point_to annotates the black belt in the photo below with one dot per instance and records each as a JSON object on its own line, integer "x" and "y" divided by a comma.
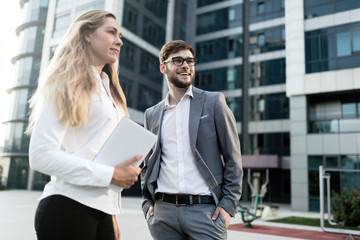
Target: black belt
{"x": 182, "y": 199}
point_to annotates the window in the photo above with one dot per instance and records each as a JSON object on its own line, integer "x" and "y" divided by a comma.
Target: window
{"x": 343, "y": 44}
{"x": 261, "y": 39}
{"x": 333, "y": 48}
{"x": 261, "y": 8}
{"x": 232, "y": 15}
{"x": 61, "y": 24}
{"x": 356, "y": 41}
{"x": 349, "y": 110}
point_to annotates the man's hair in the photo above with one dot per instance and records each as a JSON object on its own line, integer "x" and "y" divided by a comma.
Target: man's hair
{"x": 173, "y": 46}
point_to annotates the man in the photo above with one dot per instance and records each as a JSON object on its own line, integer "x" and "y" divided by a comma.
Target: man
{"x": 192, "y": 178}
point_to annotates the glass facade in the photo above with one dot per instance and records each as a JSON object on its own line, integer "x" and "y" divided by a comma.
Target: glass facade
{"x": 268, "y": 73}
{"x": 27, "y": 71}
{"x": 338, "y": 180}
{"x": 139, "y": 76}
{"x": 225, "y": 18}
{"x": 333, "y": 48}
{"x": 269, "y": 107}
{"x": 266, "y": 40}
{"x": 219, "y": 79}
{"x": 317, "y": 8}
{"x": 234, "y": 104}
{"x": 334, "y": 113}
{"x": 16, "y": 141}
{"x": 219, "y": 49}
{"x": 27, "y": 65}
{"x": 263, "y": 10}
{"x": 270, "y": 144}
{"x": 202, "y": 3}
{"x": 146, "y": 20}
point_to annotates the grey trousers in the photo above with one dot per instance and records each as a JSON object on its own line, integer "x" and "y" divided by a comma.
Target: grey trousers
{"x": 191, "y": 222}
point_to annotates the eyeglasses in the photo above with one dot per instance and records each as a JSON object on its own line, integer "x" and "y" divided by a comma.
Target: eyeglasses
{"x": 178, "y": 61}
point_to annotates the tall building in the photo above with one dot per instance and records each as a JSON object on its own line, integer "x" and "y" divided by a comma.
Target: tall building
{"x": 240, "y": 46}
{"x": 289, "y": 70}
{"x": 323, "y": 85}
{"x": 27, "y": 66}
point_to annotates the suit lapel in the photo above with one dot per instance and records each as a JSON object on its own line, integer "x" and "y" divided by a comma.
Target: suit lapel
{"x": 196, "y": 106}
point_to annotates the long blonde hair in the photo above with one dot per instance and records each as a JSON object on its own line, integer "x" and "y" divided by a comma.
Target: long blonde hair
{"x": 69, "y": 81}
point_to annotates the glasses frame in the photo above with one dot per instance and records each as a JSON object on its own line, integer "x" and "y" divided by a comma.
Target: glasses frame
{"x": 183, "y": 60}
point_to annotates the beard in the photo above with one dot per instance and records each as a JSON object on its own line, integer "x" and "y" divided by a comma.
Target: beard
{"x": 174, "y": 80}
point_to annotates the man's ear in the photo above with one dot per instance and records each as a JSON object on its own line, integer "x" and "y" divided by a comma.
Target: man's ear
{"x": 162, "y": 68}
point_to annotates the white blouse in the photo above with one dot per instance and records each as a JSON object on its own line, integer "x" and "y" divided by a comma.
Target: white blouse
{"x": 67, "y": 153}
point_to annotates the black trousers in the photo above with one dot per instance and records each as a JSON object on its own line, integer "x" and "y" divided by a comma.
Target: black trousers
{"x": 58, "y": 217}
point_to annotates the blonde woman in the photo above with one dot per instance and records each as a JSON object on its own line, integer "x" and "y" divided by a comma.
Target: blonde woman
{"x": 77, "y": 105}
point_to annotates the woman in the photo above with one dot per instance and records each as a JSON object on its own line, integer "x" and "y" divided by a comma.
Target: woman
{"x": 77, "y": 105}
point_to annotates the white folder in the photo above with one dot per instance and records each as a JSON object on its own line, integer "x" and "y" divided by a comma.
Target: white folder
{"x": 126, "y": 141}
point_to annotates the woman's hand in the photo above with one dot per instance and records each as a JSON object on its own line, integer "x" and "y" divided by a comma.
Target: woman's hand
{"x": 116, "y": 228}
{"x": 125, "y": 174}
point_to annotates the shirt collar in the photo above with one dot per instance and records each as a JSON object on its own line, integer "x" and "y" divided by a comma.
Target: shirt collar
{"x": 188, "y": 93}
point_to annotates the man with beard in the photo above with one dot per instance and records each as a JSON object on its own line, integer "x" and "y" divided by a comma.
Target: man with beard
{"x": 192, "y": 178}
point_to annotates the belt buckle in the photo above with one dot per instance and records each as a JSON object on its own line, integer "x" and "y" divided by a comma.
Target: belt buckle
{"x": 177, "y": 201}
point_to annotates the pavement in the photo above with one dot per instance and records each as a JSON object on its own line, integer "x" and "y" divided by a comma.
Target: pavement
{"x": 17, "y": 209}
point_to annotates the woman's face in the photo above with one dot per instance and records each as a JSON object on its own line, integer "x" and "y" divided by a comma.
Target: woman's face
{"x": 105, "y": 42}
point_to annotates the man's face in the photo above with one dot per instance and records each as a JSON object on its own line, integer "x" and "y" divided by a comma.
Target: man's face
{"x": 181, "y": 76}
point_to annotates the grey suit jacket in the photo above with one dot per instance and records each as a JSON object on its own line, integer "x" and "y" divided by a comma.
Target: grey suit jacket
{"x": 214, "y": 142}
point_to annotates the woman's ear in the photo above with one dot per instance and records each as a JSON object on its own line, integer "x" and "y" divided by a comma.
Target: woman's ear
{"x": 88, "y": 38}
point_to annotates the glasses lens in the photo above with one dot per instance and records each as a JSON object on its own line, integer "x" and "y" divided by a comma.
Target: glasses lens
{"x": 191, "y": 61}
{"x": 178, "y": 61}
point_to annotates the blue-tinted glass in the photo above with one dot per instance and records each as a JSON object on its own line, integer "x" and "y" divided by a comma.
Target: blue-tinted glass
{"x": 147, "y": 97}
{"x": 130, "y": 18}
{"x": 270, "y": 143}
{"x": 265, "y": 10}
{"x": 16, "y": 141}
{"x": 348, "y": 110}
{"x": 268, "y": 73}
{"x": 202, "y": 3}
{"x": 158, "y": 7}
{"x": 213, "y": 21}
{"x": 61, "y": 24}
{"x": 219, "y": 79}
{"x": 312, "y": 48}
{"x": 343, "y": 44}
{"x": 261, "y": 8}
{"x": 349, "y": 162}
{"x": 261, "y": 39}
{"x": 217, "y": 49}
{"x": 331, "y": 162}
{"x": 153, "y": 32}
{"x": 344, "y": 5}
{"x": 235, "y": 106}
{"x": 356, "y": 41}
{"x": 318, "y": 10}
{"x": 127, "y": 54}
{"x": 276, "y": 107}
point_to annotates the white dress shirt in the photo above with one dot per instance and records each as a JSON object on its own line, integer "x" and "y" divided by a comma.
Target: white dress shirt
{"x": 178, "y": 172}
{"x": 67, "y": 153}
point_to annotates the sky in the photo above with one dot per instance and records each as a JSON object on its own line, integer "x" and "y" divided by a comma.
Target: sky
{"x": 10, "y": 18}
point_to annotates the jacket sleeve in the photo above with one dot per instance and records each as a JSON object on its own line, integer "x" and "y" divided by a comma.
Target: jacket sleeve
{"x": 229, "y": 146}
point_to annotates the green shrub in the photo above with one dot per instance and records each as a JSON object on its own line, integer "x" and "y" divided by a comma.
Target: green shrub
{"x": 346, "y": 207}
